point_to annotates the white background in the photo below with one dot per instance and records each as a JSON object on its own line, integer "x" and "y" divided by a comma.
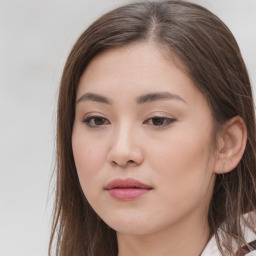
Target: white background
{"x": 35, "y": 39}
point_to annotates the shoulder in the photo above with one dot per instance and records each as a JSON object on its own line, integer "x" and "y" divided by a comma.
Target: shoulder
{"x": 211, "y": 248}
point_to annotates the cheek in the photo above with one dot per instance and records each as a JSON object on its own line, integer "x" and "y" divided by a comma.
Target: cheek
{"x": 89, "y": 159}
{"x": 184, "y": 167}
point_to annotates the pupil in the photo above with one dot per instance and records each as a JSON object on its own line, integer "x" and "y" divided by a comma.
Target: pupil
{"x": 99, "y": 120}
{"x": 157, "y": 121}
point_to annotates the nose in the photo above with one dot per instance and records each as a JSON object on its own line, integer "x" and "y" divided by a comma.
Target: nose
{"x": 124, "y": 149}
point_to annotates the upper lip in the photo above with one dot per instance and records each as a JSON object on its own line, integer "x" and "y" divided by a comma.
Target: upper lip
{"x": 126, "y": 183}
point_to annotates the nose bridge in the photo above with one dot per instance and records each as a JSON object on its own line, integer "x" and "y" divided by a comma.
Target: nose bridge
{"x": 124, "y": 145}
{"x": 123, "y": 135}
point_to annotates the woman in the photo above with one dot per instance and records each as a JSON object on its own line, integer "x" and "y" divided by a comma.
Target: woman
{"x": 156, "y": 137}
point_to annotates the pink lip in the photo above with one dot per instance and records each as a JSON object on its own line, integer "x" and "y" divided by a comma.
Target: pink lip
{"x": 127, "y": 189}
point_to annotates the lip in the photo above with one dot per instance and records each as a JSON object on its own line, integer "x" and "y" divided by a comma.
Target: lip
{"x": 127, "y": 189}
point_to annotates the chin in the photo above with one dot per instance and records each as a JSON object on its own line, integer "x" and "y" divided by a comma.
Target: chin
{"x": 133, "y": 229}
{"x": 132, "y": 225}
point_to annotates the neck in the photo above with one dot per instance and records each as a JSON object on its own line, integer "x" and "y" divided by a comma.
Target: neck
{"x": 187, "y": 239}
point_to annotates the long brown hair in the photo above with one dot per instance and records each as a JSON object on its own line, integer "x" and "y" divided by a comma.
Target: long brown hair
{"x": 212, "y": 59}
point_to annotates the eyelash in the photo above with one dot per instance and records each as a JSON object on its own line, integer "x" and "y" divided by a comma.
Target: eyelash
{"x": 89, "y": 119}
{"x": 164, "y": 121}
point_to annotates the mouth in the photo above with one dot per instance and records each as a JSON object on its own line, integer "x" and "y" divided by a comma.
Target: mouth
{"x": 127, "y": 189}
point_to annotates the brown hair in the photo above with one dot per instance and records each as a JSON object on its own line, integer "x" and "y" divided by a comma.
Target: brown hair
{"x": 213, "y": 60}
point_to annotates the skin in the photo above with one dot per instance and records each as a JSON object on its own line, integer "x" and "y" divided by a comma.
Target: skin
{"x": 174, "y": 154}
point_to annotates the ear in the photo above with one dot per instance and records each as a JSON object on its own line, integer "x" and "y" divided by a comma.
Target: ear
{"x": 231, "y": 145}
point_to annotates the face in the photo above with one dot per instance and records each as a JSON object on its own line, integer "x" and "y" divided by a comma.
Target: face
{"x": 142, "y": 141}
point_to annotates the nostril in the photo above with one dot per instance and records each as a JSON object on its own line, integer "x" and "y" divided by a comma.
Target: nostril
{"x": 130, "y": 162}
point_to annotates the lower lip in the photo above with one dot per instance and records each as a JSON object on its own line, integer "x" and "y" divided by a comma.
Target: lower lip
{"x": 127, "y": 193}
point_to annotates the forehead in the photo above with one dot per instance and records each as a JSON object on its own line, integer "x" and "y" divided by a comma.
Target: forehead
{"x": 135, "y": 69}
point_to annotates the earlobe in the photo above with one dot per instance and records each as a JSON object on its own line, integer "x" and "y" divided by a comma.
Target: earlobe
{"x": 231, "y": 145}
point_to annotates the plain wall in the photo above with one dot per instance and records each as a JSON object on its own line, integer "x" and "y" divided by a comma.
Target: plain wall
{"x": 35, "y": 39}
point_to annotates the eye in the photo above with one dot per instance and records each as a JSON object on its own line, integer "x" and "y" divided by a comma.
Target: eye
{"x": 96, "y": 121}
{"x": 159, "y": 121}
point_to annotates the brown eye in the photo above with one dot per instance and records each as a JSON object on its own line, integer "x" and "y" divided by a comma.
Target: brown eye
{"x": 99, "y": 120}
{"x": 159, "y": 121}
{"x": 94, "y": 121}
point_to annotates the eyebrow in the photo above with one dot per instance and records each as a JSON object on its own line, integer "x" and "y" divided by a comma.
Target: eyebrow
{"x": 94, "y": 97}
{"x": 150, "y": 97}
{"x": 158, "y": 96}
